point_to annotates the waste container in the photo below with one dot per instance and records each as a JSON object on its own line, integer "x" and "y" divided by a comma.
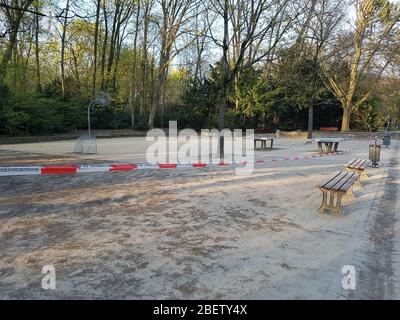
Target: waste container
{"x": 374, "y": 154}
{"x": 386, "y": 141}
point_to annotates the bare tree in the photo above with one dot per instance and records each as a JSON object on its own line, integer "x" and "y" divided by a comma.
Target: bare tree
{"x": 37, "y": 50}
{"x": 134, "y": 79}
{"x": 147, "y": 8}
{"x": 104, "y": 45}
{"x": 95, "y": 45}
{"x": 375, "y": 43}
{"x": 320, "y": 23}
{"x": 14, "y": 11}
{"x": 257, "y": 21}
{"x": 64, "y": 24}
{"x": 175, "y": 15}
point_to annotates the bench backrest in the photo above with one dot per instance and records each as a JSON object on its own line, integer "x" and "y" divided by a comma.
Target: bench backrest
{"x": 329, "y": 129}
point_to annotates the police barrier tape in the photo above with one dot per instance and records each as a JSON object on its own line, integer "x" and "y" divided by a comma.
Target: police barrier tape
{"x": 72, "y": 169}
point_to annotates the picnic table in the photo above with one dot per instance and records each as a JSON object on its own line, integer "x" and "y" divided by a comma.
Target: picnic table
{"x": 331, "y": 144}
{"x": 263, "y": 142}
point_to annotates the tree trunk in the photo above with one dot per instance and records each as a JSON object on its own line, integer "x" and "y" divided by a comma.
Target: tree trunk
{"x": 156, "y": 99}
{"x": 226, "y": 76}
{"x": 162, "y": 71}
{"x": 146, "y": 16}
{"x": 116, "y": 64}
{"x": 113, "y": 44}
{"x": 104, "y": 49}
{"x": 310, "y": 120}
{"x": 37, "y": 57}
{"x": 8, "y": 54}
{"x": 133, "y": 90}
{"x": 221, "y": 119}
{"x": 63, "y": 38}
{"x": 14, "y": 19}
{"x": 346, "y": 119}
{"x": 96, "y": 36}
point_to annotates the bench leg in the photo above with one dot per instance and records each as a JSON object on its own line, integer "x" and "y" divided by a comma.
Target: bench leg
{"x": 263, "y": 144}
{"x": 329, "y": 147}
{"x": 320, "y": 148}
{"x": 358, "y": 182}
{"x": 332, "y": 196}
{"x": 335, "y": 146}
{"x": 362, "y": 175}
{"x": 324, "y": 204}
{"x": 334, "y": 207}
{"x": 338, "y": 206}
{"x": 272, "y": 143}
{"x": 350, "y": 193}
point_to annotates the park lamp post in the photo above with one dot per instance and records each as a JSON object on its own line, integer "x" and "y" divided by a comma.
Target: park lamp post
{"x": 100, "y": 99}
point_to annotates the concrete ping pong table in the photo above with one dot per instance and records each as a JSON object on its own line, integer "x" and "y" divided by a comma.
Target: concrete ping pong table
{"x": 263, "y": 142}
{"x": 331, "y": 144}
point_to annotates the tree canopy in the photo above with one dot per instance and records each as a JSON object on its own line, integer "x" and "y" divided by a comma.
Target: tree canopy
{"x": 286, "y": 65}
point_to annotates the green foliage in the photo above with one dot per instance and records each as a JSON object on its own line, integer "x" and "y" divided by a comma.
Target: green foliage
{"x": 199, "y": 107}
{"x": 277, "y": 97}
{"x": 279, "y": 100}
{"x": 394, "y": 110}
{"x": 367, "y": 117}
{"x": 29, "y": 115}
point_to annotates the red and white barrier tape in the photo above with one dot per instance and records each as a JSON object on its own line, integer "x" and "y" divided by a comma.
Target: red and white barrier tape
{"x": 72, "y": 169}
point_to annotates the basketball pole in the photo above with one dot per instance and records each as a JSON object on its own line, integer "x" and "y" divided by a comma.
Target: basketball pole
{"x": 101, "y": 99}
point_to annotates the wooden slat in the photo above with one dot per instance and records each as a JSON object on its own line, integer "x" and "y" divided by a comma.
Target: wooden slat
{"x": 364, "y": 165}
{"x": 331, "y": 177}
{"x": 348, "y": 183}
{"x": 348, "y": 164}
{"x": 356, "y": 163}
{"x": 359, "y": 164}
{"x": 335, "y": 180}
{"x": 342, "y": 181}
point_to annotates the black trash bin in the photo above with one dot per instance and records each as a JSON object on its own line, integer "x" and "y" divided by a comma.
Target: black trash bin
{"x": 386, "y": 141}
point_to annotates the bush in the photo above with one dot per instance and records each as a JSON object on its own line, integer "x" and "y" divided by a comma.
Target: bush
{"x": 367, "y": 117}
{"x": 24, "y": 115}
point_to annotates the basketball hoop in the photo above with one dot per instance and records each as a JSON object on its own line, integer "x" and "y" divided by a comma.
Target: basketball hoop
{"x": 100, "y": 99}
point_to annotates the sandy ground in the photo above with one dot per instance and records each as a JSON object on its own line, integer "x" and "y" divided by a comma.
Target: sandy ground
{"x": 204, "y": 233}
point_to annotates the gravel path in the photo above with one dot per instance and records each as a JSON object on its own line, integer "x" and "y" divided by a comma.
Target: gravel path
{"x": 204, "y": 233}
{"x": 376, "y": 268}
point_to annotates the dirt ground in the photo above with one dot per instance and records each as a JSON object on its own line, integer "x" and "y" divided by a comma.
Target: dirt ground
{"x": 199, "y": 234}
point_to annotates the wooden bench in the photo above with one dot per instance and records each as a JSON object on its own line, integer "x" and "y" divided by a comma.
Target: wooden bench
{"x": 358, "y": 166}
{"x": 263, "y": 142}
{"x": 337, "y": 185}
{"x": 329, "y": 129}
